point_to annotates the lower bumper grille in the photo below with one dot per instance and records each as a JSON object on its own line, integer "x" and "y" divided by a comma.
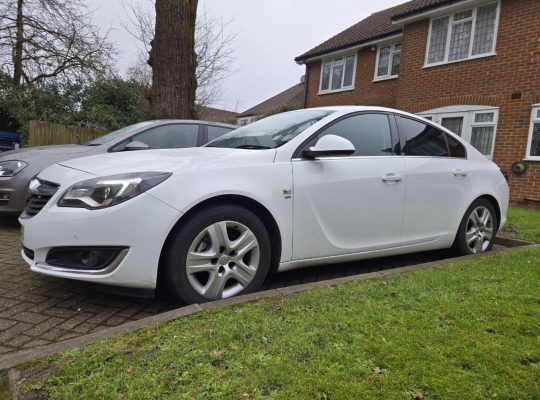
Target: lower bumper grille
{"x": 28, "y": 253}
{"x": 39, "y": 194}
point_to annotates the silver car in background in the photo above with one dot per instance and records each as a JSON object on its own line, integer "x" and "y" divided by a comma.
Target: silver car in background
{"x": 18, "y": 167}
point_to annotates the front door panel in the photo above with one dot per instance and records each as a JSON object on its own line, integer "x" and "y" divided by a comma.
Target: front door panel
{"x": 343, "y": 205}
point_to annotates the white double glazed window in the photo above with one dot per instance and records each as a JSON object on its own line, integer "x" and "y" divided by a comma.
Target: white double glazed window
{"x": 533, "y": 144}
{"x": 388, "y": 60}
{"x": 338, "y": 74}
{"x": 475, "y": 124}
{"x": 463, "y": 35}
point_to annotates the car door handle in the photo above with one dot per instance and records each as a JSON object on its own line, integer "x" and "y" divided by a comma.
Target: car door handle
{"x": 391, "y": 177}
{"x": 460, "y": 173}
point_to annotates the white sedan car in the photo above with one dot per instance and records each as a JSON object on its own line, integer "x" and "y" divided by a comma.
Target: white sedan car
{"x": 313, "y": 186}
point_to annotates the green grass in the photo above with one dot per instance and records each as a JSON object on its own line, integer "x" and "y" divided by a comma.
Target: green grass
{"x": 466, "y": 330}
{"x": 5, "y": 392}
{"x": 523, "y": 224}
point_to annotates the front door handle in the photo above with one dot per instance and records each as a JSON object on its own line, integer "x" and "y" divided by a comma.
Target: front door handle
{"x": 460, "y": 173}
{"x": 391, "y": 177}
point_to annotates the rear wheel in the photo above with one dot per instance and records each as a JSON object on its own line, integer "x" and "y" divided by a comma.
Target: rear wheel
{"x": 218, "y": 253}
{"x": 478, "y": 228}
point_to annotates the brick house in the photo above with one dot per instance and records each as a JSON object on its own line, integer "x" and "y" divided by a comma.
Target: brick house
{"x": 470, "y": 65}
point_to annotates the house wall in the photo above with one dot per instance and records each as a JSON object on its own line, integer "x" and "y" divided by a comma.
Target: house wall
{"x": 489, "y": 81}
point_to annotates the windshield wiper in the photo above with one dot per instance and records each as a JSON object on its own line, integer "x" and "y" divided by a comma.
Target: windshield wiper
{"x": 252, "y": 146}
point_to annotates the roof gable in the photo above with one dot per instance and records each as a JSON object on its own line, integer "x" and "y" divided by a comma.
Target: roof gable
{"x": 376, "y": 26}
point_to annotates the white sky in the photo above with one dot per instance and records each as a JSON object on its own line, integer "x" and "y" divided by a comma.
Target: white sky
{"x": 270, "y": 34}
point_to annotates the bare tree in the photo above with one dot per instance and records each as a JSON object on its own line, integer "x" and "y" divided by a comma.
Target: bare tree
{"x": 213, "y": 46}
{"x": 42, "y": 39}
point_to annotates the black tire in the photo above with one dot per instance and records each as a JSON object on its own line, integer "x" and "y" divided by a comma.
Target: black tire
{"x": 175, "y": 258}
{"x": 460, "y": 245}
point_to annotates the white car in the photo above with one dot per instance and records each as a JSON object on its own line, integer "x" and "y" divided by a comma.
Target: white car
{"x": 313, "y": 186}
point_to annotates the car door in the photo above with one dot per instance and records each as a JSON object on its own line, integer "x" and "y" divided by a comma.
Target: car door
{"x": 169, "y": 136}
{"x": 437, "y": 182}
{"x": 347, "y": 205}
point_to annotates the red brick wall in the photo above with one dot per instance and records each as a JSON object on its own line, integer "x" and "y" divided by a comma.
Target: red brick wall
{"x": 485, "y": 81}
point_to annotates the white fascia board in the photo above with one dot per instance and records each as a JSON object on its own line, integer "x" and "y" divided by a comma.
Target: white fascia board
{"x": 348, "y": 50}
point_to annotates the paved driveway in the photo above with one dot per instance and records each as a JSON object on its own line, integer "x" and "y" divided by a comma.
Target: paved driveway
{"x": 37, "y": 310}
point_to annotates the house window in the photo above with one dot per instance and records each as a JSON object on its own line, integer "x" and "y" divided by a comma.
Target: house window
{"x": 475, "y": 124}
{"x": 338, "y": 74}
{"x": 388, "y": 59}
{"x": 463, "y": 35}
{"x": 533, "y": 145}
{"x": 483, "y": 132}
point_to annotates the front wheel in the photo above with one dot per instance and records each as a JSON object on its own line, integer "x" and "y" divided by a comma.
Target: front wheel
{"x": 218, "y": 253}
{"x": 478, "y": 228}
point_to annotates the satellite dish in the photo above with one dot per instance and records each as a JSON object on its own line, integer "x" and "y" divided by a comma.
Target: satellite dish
{"x": 302, "y": 79}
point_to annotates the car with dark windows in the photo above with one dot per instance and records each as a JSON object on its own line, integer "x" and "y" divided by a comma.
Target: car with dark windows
{"x": 307, "y": 187}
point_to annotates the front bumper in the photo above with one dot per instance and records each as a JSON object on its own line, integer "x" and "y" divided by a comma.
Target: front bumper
{"x": 141, "y": 225}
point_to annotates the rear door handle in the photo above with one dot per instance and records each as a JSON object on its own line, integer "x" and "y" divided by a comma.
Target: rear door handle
{"x": 460, "y": 173}
{"x": 391, "y": 177}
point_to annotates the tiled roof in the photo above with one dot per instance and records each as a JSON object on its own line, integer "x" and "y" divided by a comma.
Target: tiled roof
{"x": 292, "y": 97}
{"x": 377, "y": 25}
{"x": 216, "y": 115}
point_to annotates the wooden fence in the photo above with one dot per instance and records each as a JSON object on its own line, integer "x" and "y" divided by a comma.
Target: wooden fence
{"x": 45, "y": 133}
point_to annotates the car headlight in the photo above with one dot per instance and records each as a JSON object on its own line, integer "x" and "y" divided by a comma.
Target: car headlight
{"x": 111, "y": 190}
{"x": 11, "y": 168}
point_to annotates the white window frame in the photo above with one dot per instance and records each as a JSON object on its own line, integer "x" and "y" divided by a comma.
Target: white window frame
{"x": 451, "y": 23}
{"x": 535, "y": 119}
{"x": 468, "y": 113}
{"x": 332, "y": 61}
{"x": 392, "y": 53}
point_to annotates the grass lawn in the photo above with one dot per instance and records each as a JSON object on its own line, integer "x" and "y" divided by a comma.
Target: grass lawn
{"x": 523, "y": 224}
{"x": 466, "y": 330}
{"x": 5, "y": 392}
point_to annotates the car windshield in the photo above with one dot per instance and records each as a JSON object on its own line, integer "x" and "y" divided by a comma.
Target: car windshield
{"x": 270, "y": 132}
{"x": 118, "y": 133}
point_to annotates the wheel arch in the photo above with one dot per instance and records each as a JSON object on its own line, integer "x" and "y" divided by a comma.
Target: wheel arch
{"x": 240, "y": 200}
{"x": 495, "y": 205}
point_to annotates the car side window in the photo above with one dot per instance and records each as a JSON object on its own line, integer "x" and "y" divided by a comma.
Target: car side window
{"x": 171, "y": 136}
{"x": 456, "y": 149}
{"x": 216, "y": 131}
{"x": 421, "y": 139}
{"x": 369, "y": 133}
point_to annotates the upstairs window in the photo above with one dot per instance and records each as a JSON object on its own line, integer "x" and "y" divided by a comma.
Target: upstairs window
{"x": 388, "y": 60}
{"x": 533, "y": 146}
{"x": 463, "y": 35}
{"x": 338, "y": 74}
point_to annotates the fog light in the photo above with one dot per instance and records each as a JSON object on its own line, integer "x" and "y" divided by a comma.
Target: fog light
{"x": 89, "y": 258}
{"x": 4, "y": 196}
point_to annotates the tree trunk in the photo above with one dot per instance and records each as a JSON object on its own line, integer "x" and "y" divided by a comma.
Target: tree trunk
{"x": 173, "y": 60}
{"x": 18, "y": 51}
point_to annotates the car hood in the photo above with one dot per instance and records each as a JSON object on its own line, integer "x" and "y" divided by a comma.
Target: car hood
{"x": 171, "y": 160}
{"x": 26, "y": 154}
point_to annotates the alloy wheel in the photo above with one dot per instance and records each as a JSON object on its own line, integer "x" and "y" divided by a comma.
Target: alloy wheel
{"x": 479, "y": 230}
{"x": 222, "y": 260}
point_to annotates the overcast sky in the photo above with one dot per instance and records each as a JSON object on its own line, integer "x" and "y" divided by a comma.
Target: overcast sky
{"x": 270, "y": 34}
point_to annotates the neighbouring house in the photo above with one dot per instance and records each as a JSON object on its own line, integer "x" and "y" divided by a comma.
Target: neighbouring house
{"x": 216, "y": 115}
{"x": 289, "y": 99}
{"x": 471, "y": 65}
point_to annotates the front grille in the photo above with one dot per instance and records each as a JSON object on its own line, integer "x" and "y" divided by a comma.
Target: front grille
{"x": 39, "y": 194}
{"x": 29, "y": 253}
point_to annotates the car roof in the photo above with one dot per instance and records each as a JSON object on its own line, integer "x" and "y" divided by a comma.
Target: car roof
{"x": 191, "y": 121}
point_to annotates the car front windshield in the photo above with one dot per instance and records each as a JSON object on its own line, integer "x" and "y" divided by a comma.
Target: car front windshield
{"x": 270, "y": 132}
{"x": 118, "y": 133}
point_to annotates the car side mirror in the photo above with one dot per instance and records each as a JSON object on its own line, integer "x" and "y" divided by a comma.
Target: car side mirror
{"x": 136, "y": 145}
{"x": 330, "y": 146}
